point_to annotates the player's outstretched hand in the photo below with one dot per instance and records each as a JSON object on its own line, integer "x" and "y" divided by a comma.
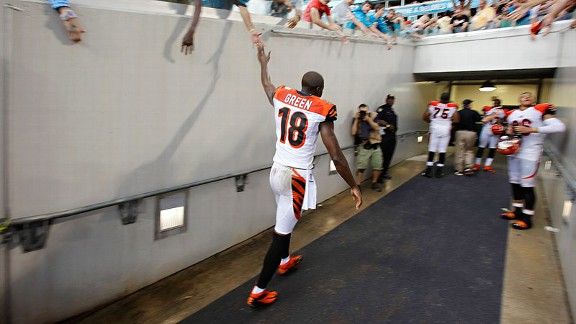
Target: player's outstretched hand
{"x": 255, "y": 37}
{"x": 357, "y": 195}
{"x": 188, "y": 43}
{"x": 262, "y": 56}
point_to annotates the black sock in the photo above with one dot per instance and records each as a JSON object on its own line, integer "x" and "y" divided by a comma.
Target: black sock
{"x": 280, "y": 244}
{"x": 441, "y": 158}
{"x": 431, "y": 156}
{"x": 529, "y": 198}
{"x": 491, "y": 153}
{"x": 517, "y": 195}
{"x": 479, "y": 152}
{"x": 517, "y": 192}
{"x": 286, "y": 246}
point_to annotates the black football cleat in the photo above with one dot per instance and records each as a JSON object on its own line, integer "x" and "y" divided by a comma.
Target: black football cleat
{"x": 428, "y": 173}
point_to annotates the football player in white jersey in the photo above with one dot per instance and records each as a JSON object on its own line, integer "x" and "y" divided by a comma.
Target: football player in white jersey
{"x": 532, "y": 122}
{"x": 487, "y": 138}
{"x": 300, "y": 117}
{"x": 440, "y": 114}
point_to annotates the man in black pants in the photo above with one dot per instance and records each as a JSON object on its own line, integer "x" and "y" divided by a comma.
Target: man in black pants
{"x": 388, "y": 121}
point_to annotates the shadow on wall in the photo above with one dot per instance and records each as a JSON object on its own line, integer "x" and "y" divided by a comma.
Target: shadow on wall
{"x": 162, "y": 163}
{"x": 184, "y": 22}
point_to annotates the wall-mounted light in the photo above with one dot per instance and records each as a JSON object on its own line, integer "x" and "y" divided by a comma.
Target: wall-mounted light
{"x": 487, "y": 86}
{"x": 567, "y": 210}
{"x": 332, "y": 168}
{"x": 171, "y": 210}
{"x": 420, "y": 139}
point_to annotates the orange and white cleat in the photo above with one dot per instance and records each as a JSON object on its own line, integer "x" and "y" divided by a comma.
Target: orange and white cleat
{"x": 264, "y": 298}
{"x": 508, "y": 214}
{"x": 489, "y": 168}
{"x": 522, "y": 224}
{"x": 290, "y": 265}
{"x": 476, "y": 167}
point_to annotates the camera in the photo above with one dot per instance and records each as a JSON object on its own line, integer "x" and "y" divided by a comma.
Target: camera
{"x": 362, "y": 114}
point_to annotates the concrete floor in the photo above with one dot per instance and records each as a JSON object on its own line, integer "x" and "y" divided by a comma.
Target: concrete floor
{"x": 533, "y": 287}
{"x": 534, "y": 290}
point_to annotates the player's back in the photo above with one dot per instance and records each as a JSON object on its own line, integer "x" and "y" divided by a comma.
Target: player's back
{"x": 298, "y": 117}
{"x": 441, "y": 113}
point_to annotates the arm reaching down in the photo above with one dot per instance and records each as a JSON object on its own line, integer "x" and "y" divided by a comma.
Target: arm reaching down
{"x": 188, "y": 40}
{"x": 247, "y": 19}
{"x": 331, "y": 143}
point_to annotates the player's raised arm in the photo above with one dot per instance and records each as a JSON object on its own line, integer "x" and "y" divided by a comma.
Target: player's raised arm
{"x": 331, "y": 143}
{"x": 263, "y": 58}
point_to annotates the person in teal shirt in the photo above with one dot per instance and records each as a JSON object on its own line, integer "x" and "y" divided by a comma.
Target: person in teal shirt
{"x": 360, "y": 19}
{"x": 69, "y": 19}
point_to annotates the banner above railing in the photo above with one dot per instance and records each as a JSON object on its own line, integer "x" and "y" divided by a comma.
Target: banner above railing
{"x": 418, "y": 9}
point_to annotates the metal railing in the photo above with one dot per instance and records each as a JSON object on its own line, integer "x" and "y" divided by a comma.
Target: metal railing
{"x": 324, "y": 34}
{"x": 32, "y": 230}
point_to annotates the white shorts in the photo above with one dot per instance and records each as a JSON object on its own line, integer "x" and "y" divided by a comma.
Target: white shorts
{"x": 439, "y": 139}
{"x": 522, "y": 171}
{"x": 487, "y": 138}
{"x": 295, "y": 191}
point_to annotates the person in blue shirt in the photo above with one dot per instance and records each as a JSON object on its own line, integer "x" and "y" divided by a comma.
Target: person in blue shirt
{"x": 360, "y": 19}
{"x": 69, "y": 19}
{"x": 378, "y": 24}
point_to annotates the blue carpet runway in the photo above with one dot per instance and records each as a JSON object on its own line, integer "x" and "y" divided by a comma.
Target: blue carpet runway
{"x": 432, "y": 251}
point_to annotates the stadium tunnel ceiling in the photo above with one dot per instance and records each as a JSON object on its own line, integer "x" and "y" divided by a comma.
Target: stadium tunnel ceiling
{"x": 494, "y": 75}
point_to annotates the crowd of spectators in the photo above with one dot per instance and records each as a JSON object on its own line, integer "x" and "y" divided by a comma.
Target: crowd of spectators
{"x": 374, "y": 20}
{"x": 498, "y": 14}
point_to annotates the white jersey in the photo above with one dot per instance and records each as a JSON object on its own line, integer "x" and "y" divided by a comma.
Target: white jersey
{"x": 498, "y": 112}
{"x": 298, "y": 117}
{"x": 441, "y": 116}
{"x": 487, "y": 138}
{"x": 531, "y": 146}
{"x": 441, "y": 113}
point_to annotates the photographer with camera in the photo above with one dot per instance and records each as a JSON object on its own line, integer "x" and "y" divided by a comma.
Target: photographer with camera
{"x": 367, "y": 131}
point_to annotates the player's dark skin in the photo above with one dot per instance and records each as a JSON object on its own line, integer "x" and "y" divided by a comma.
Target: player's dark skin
{"x": 329, "y": 139}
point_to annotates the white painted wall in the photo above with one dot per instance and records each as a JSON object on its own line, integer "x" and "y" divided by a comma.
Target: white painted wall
{"x": 489, "y": 50}
{"x": 124, "y": 113}
{"x": 562, "y": 94}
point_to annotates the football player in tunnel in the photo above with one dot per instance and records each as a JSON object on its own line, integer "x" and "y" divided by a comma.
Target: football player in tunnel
{"x": 492, "y": 116}
{"x": 532, "y": 122}
{"x": 302, "y": 117}
{"x": 440, "y": 114}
